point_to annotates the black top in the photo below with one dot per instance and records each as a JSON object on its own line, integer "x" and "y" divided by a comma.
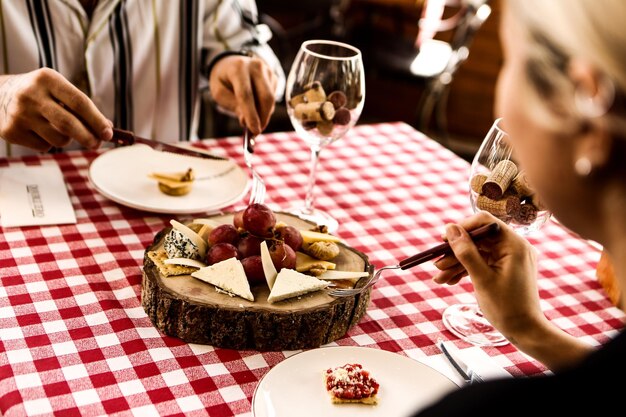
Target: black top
{"x": 596, "y": 387}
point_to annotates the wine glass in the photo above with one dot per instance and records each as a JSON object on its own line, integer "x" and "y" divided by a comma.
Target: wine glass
{"x": 325, "y": 94}
{"x": 498, "y": 186}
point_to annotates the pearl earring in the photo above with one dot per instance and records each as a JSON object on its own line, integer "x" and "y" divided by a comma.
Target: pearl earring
{"x": 583, "y": 166}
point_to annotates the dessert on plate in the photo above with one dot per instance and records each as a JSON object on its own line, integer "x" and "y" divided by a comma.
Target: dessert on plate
{"x": 351, "y": 383}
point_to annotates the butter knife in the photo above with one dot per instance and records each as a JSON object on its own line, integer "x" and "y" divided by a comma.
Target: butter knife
{"x": 469, "y": 375}
{"x": 123, "y": 137}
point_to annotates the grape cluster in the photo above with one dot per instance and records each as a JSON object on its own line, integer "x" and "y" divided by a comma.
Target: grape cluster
{"x": 242, "y": 239}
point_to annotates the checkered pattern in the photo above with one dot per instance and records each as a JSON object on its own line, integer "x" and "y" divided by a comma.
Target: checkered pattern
{"x": 74, "y": 339}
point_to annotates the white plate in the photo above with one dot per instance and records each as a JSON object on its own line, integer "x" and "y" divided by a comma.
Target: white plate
{"x": 295, "y": 387}
{"x": 121, "y": 174}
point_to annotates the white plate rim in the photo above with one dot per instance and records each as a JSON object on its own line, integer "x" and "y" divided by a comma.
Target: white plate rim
{"x": 363, "y": 352}
{"x": 112, "y": 153}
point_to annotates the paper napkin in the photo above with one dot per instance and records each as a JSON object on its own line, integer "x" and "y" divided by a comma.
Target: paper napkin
{"x": 474, "y": 356}
{"x": 34, "y": 195}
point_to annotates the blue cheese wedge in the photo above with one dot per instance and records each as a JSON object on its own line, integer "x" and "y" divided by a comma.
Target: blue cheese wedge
{"x": 177, "y": 245}
{"x": 290, "y": 283}
{"x": 227, "y": 275}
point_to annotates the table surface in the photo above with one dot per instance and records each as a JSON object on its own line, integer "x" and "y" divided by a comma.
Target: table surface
{"x": 75, "y": 340}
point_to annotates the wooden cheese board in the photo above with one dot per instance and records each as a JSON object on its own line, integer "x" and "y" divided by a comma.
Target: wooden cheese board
{"x": 192, "y": 310}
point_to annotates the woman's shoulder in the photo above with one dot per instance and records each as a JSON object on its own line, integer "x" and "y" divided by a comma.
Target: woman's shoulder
{"x": 583, "y": 387}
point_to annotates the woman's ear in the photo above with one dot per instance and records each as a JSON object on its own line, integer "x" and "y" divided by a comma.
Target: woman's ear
{"x": 593, "y": 97}
{"x": 594, "y": 92}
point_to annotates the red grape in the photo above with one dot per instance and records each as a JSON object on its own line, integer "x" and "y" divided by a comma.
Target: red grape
{"x": 291, "y": 236}
{"x": 282, "y": 255}
{"x": 249, "y": 245}
{"x": 220, "y": 252}
{"x": 259, "y": 220}
{"x": 254, "y": 269}
{"x": 224, "y": 233}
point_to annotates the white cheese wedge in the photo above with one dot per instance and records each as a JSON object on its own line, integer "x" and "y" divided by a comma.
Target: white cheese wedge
{"x": 208, "y": 222}
{"x": 290, "y": 283}
{"x": 228, "y": 275}
{"x": 185, "y": 262}
{"x": 269, "y": 270}
{"x": 342, "y": 274}
{"x": 191, "y": 235}
{"x": 309, "y": 236}
{"x": 305, "y": 262}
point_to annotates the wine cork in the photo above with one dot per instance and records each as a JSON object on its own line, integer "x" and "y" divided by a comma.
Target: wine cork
{"x": 526, "y": 214}
{"x": 499, "y": 180}
{"x": 521, "y": 186}
{"x": 314, "y": 92}
{"x": 299, "y": 99}
{"x": 477, "y": 181}
{"x": 315, "y": 111}
{"x": 325, "y": 127}
{"x": 504, "y": 208}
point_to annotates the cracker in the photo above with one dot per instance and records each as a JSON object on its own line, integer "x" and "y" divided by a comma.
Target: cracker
{"x": 168, "y": 270}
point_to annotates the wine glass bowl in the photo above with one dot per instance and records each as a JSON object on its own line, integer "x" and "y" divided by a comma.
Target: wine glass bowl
{"x": 325, "y": 94}
{"x": 499, "y": 186}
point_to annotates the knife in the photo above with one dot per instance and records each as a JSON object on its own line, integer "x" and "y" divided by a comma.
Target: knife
{"x": 123, "y": 137}
{"x": 451, "y": 353}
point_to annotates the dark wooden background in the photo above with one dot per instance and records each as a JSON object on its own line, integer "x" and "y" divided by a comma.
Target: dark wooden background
{"x": 386, "y": 30}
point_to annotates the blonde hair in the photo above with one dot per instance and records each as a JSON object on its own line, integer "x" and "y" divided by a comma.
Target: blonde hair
{"x": 559, "y": 30}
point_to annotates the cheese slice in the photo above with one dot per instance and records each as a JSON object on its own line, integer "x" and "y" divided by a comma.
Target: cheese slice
{"x": 228, "y": 275}
{"x": 309, "y": 236}
{"x": 269, "y": 270}
{"x": 305, "y": 262}
{"x": 185, "y": 262}
{"x": 342, "y": 274}
{"x": 170, "y": 182}
{"x": 191, "y": 235}
{"x": 290, "y": 283}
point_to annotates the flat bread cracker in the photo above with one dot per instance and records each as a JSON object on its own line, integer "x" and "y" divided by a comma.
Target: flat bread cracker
{"x": 168, "y": 270}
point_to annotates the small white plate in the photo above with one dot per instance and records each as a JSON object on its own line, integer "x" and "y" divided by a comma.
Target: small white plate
{"x": 295, "y": 387}
{"x": 122, "y": 175}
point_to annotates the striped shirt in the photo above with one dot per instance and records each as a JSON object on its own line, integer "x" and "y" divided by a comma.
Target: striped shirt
{"x": 142, "y": 62}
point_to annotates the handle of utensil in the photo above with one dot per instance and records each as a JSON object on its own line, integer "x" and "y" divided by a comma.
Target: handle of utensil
{"x": 248, "y": 140}
{"x": 490, "y": 229}
{"x": 123, "y": 137}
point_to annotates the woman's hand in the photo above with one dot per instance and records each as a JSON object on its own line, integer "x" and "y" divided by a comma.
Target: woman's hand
{"x": 41, "y": 109}
{"x": 503, "y": 271}
{"x": 245, "y": 86}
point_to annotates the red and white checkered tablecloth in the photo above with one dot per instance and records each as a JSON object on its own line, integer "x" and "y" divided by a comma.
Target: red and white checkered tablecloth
{"x": 74, "y": 339}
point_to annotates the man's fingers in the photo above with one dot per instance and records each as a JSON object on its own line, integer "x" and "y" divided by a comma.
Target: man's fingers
{"x": 32, "y": 140}
{"x": 83, "y": 108}
{"x": 52, "y": 136}
{"x": 66, "y": 124}
{"x": 246, "y": 103}
{"x": 264, "y": 84}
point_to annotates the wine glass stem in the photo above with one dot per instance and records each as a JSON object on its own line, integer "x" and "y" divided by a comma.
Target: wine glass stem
{"x": 310, "y": 196}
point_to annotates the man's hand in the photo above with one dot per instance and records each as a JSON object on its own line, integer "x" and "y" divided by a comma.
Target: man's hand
{"x": 41, "y": 109}
{"x": 245, "y": 86}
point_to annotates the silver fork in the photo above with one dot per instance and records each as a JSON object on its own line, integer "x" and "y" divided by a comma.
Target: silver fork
{"x": 257, "y": 189}
{"x": 490, "y": 229}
